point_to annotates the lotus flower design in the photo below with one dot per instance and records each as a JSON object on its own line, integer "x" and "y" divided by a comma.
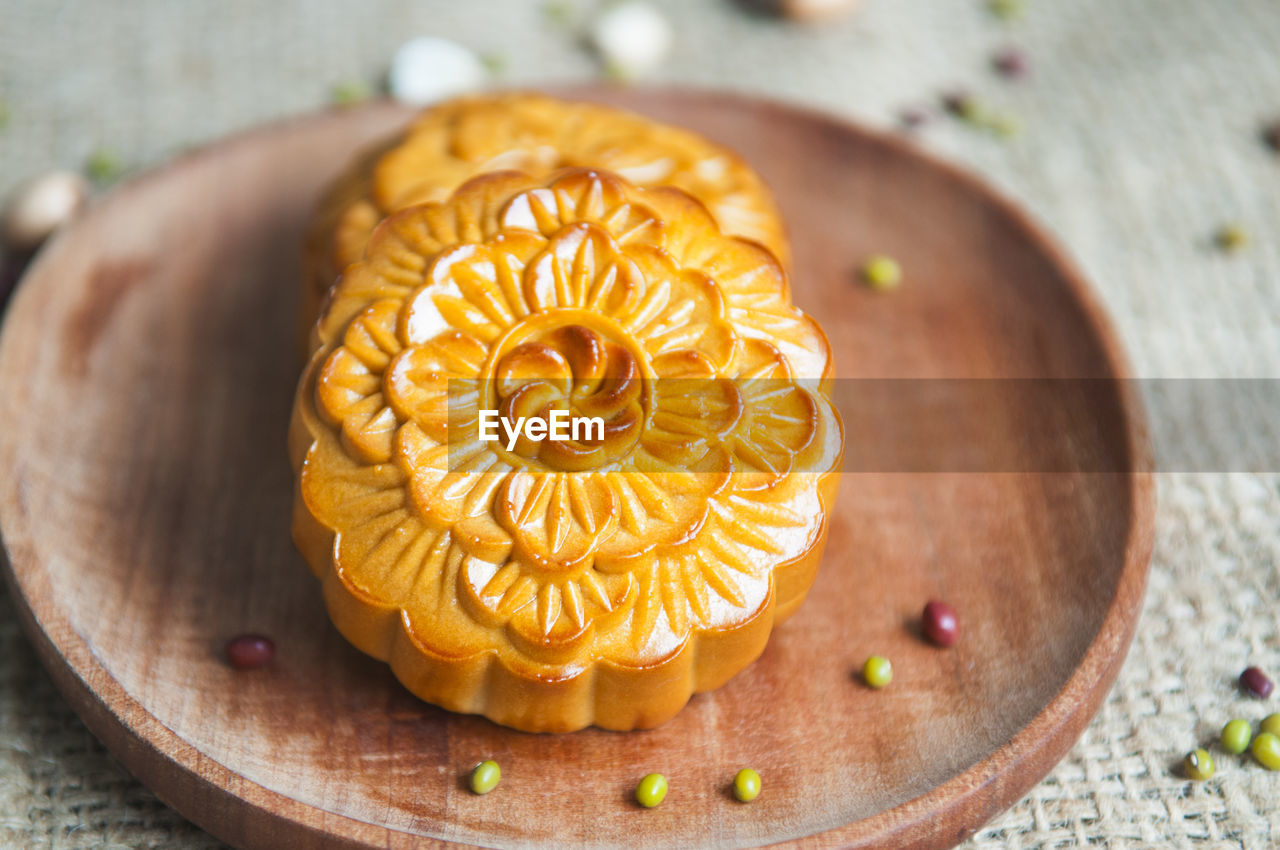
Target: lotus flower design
{"x": 692, "y": 516}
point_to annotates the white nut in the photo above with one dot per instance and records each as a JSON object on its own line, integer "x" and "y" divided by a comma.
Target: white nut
{"x": 39, "y": 207}
{"x": 633, "y": 38}
{"x": 428, "y": 69}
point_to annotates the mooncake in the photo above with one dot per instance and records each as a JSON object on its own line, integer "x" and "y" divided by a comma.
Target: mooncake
{"x": 551, "y": 585}
{"x": 454, "y": 141}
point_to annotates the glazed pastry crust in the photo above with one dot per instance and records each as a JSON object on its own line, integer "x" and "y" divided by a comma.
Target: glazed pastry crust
{"x": 551, "y": 588}
{"x": 455, "y": 141}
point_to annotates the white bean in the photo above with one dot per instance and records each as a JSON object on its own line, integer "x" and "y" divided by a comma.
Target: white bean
{"x": 428, "y": 69}
{"x": 632, "y": 38}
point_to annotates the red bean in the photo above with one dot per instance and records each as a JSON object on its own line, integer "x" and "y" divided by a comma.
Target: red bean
{"x": 249, "y": 652}
{"x": 940, "y": 623}
{"x": 1010, "y": 62}
{"x": 1256, "y": 682}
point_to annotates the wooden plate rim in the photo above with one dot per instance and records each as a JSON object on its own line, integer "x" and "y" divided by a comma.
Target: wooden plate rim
{"x": 249, "y": 814}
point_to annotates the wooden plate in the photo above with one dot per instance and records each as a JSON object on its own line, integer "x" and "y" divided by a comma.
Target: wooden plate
{"x": 147, "y": 365}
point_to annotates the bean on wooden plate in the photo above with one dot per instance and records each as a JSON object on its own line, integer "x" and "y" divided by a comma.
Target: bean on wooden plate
{"x": 652, "y": 790}
{"x": 485, "y": 777}
{"x": 940, "y": 624}
{"x": 746, "y": 785}
{"x": 249, "y": 652}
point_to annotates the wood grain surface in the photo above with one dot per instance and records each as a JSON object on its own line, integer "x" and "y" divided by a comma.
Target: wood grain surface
{"x": 147, "y": 364}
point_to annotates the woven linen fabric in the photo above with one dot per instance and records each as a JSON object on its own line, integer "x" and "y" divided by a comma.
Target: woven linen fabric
{"x": 1140, "y": 136}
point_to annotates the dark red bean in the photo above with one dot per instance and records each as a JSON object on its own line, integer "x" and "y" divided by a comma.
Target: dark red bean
{"x": 1256, "y": 682}
{"x": 1011, "y": 62}
{"x": 940, "y": 623}
{"x": 249, "y": 652}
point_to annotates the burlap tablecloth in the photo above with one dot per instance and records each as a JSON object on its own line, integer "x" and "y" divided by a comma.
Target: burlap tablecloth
{"x": 1140, "y": 136}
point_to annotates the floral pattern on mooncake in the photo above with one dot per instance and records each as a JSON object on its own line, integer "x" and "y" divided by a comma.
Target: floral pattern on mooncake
{"x": 455, "y": 141}
{"x": 555, "y": 584}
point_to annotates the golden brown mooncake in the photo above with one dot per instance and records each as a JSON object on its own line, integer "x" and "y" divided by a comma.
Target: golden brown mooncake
{"x": 554, "y": 585}
{"x": 459, "y": 139}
